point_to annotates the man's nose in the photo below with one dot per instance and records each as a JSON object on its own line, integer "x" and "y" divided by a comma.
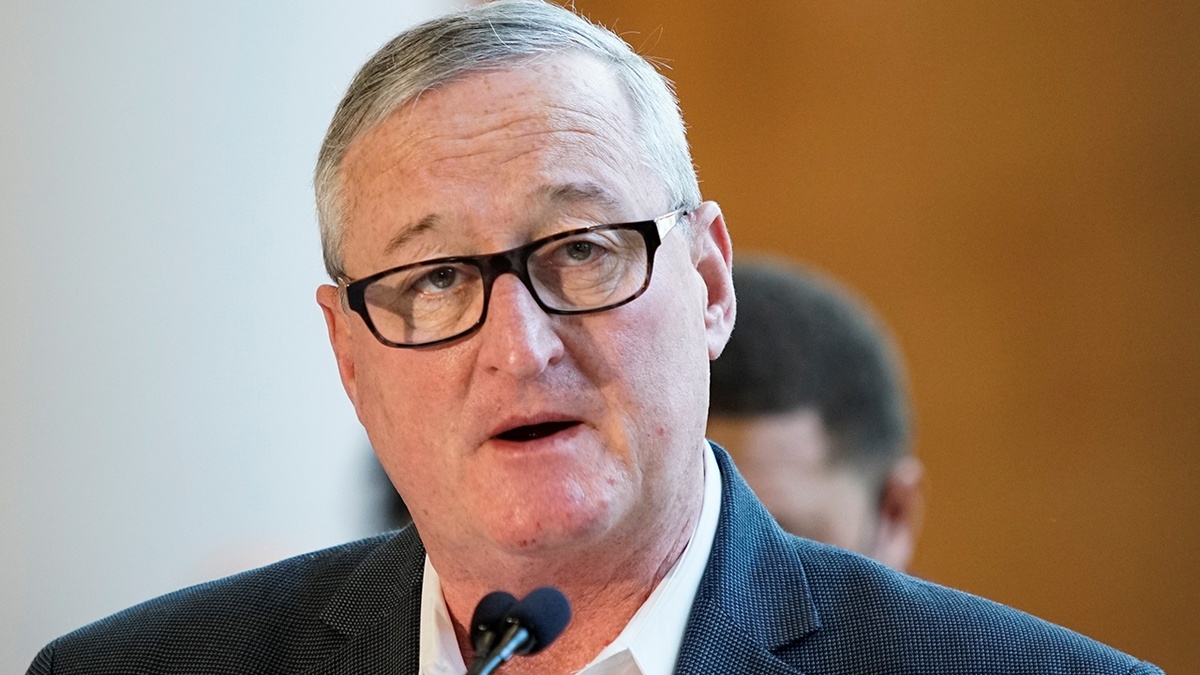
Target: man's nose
{"x": 518, "y": 337}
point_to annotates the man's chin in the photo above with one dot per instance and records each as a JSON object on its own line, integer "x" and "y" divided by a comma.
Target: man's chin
{"x": 543, "y": 523}
{"x": 566, "y": 493}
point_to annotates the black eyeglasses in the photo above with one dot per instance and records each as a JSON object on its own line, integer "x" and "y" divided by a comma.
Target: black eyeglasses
{"x": 575, "y": 272}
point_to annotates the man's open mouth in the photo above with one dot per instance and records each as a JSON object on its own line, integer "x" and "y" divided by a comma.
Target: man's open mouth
{"x": 532, "y": 432}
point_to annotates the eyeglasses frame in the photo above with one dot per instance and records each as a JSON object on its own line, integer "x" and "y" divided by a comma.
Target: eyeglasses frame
{"x": 516, "y": 261}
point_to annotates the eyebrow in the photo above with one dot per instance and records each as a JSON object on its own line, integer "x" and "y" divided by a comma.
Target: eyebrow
{"x": 407, "y": 234}
{"x": 568, "y": 194}
{"x": 565, "y": 194}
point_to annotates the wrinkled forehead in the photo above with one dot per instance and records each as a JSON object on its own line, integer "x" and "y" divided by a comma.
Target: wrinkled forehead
{"x": 502, "y": 142}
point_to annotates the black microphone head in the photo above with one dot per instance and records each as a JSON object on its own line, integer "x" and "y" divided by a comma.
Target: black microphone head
{"x": 545, "y": 612}
{"x": 489, "y": 614}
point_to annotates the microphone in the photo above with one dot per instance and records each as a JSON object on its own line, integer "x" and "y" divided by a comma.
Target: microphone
{"x": 530, "y": 626}
{"x": 487, "y": 623}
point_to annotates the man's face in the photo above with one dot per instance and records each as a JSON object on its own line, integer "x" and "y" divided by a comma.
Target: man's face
{"x": 785, "y": 459}
{"x": 485, "y": 164}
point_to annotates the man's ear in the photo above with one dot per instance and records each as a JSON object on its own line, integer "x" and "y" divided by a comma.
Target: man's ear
{"x": 712, "y": 254}
{"x": 337, "y": 321}
{"x": 901, "y": 510}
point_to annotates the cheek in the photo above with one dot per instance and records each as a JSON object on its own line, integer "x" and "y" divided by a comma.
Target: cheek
{"x": 673, "y": 344}
{"x": 408, "y": 407}
{"x": 406, "y": 399}
{"x": 660, "y": 355}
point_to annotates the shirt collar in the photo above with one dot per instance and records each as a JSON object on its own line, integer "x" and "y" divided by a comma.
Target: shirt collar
{"x": 649, "y": 643}
{"x": 439, "y": 647}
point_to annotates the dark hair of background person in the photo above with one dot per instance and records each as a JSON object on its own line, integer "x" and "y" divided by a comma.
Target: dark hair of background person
{"x": 811, "y": 402}
{"x": 802, "y": 342}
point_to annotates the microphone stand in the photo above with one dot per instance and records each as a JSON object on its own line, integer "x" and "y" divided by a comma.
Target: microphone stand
{"x": 513, "y": 639}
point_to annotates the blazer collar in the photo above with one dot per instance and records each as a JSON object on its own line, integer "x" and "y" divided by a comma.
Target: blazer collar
{"x": 754, "y": 597}
{"x": 375, "y": 610}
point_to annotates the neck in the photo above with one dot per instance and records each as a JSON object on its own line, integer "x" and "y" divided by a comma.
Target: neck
{"x": 605, "y": 585}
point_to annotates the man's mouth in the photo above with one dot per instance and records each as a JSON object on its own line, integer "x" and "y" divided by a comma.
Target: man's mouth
{"x": 532, "y": 432}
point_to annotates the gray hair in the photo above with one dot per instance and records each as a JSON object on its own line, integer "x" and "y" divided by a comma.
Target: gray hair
{"x": 491, "y": 37}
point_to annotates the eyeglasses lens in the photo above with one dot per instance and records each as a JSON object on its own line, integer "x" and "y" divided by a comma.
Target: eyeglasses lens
{"x": 586, "y": 272}
{"x": 590, "y": 270}
{"x": 426, "y": 303}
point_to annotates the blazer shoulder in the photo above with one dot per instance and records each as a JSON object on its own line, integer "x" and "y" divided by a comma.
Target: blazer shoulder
{"x": 889, "y": 619}
{"x": 263, "y": 620}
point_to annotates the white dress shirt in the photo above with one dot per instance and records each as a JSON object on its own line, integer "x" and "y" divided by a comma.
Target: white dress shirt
{"x": 649, "y": 643}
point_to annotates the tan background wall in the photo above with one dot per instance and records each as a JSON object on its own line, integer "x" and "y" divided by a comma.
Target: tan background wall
{"x": 1016, "y": 187}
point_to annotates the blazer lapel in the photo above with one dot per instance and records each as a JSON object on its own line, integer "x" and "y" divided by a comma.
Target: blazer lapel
{"x": 753, "y": 598}
{"x": 378, "y": 610}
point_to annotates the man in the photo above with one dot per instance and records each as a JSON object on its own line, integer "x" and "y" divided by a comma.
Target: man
{"x": 528, "y": 292}
{"x": 808, "y": 399}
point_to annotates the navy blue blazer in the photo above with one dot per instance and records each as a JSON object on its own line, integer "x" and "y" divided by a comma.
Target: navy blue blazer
{"x": 768, "y": 603}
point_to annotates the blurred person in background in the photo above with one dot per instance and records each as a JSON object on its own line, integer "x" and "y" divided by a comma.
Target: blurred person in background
{"x": 809, "y": 399}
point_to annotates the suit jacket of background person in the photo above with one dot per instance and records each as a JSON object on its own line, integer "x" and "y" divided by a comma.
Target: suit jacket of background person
{"x": 768, "y": 603}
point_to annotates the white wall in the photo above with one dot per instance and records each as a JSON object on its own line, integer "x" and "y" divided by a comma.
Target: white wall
{"x": 169, "y": 407}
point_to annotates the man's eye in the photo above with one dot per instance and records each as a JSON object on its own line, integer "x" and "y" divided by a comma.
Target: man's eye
{"x": 439, "y": 279}
{"x": 579, "y": 250}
